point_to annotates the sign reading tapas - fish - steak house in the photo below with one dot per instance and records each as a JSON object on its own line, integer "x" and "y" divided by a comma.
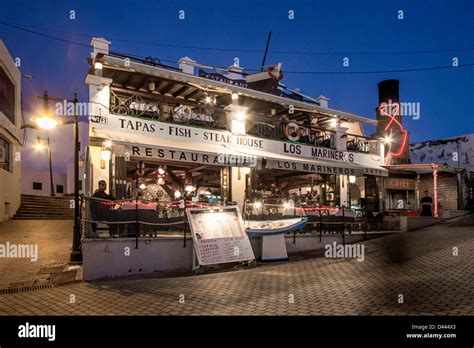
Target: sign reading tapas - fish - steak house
{"x": 154, "y": 133}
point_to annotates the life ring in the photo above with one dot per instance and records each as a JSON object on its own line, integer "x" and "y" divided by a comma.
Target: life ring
{"x": 271, "y": 72}
{"x": 292, "y": 126}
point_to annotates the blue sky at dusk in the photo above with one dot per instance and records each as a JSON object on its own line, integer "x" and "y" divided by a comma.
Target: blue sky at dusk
{"x": 330, "y": 26}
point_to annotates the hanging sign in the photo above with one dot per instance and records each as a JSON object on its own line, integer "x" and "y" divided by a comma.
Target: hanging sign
{"x": 222, "y": 78}
{"x": 321, "y": 168}
{"x": 155, "y": 133}
{"x": 171, "y": 154}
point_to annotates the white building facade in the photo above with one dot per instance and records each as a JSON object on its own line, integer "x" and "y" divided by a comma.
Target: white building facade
{"x": 455, "y": 152}
{"x": 10, "y": 131}
{"x": 37, "y": 182}
{"x": 195, "y": 121}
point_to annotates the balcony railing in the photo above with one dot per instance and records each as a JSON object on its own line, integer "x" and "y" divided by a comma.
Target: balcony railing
{"x": 207, "y": 116}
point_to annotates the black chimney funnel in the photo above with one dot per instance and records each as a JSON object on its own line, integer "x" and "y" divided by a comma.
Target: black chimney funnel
{"x": 389, "y": 91}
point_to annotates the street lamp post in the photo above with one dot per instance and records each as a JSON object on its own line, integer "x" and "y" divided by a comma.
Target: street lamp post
{"x": 39, "y": 147}
{"x": 76, "y": 253}
{"x": 47, "y": 121}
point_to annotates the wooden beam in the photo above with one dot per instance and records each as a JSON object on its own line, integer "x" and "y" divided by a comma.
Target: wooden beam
{"x": 193, "y": 94}
{"x": 179, "y": 91}
{"x": 168, "y": 88}
{"x": 143, "y": 82}
{"x": 197, "y": 169}
{"x": 153, "y": 96}
{"x": 174, "y": 178}
{"x": 168, "y": 190}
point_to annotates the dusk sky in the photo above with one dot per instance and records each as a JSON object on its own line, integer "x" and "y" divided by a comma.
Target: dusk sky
{"x": 319, "y": 26}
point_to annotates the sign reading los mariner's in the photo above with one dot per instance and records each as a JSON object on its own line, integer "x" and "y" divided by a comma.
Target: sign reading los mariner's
{"x": 219, "y": 235}
{"x": 155, "y": 133}
{"x": 321, "y": 168}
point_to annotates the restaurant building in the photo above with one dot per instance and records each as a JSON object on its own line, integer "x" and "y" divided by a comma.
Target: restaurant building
{"x": 440, "y": 168}
{"x": 166, "y": 138}
{"x": 162, "y": 132}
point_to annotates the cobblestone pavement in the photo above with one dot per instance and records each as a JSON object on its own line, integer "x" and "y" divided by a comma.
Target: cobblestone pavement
{"x": 419, "y": 265}
{"x": 54, "y": 240}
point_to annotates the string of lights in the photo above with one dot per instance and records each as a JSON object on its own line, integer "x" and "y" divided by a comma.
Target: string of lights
{"x": 434, "y": 68}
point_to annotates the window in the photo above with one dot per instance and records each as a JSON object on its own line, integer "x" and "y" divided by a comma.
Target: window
{"x": 7, "y": 96}
{"x": 37, "y": 186}
{"x": 5, "y": 155}
{"x": 59, "y": 188}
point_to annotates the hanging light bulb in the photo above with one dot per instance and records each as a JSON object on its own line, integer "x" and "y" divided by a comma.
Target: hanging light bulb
{"x": 151, "y": 85}
{"x": 105, "y": 155}
{"x": 161, "y": 170}
{"x": 189, "y": 188}
{"x": 246, "y": 170}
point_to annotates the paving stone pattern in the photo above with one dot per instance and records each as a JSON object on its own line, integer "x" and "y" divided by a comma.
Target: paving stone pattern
{"x": 418, "y": 265}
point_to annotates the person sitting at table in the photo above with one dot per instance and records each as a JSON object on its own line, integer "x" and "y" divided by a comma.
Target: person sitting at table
{"x": 101, "y": 194}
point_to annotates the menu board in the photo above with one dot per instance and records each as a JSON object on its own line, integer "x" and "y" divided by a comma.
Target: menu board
{"x": 219, "y": 235}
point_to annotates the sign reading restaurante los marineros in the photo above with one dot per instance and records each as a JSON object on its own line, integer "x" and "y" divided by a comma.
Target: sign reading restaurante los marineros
{"x": 135, "y": 131}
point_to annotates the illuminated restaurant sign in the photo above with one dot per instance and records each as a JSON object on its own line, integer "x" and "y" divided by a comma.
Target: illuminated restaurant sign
{"x": 155, "y": 133}
{"x": 167, "y": 154}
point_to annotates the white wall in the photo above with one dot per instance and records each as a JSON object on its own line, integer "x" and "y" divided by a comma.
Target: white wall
{"x": 42, "y": 176}
{"x": 343, "y": 190}
{"x": 355, "y": 128}
{"x": 105, "y": 258}
{"x": 456, "y": 152}
{"x": 10, "y": 180}
{"x": 97, "y": 173}
{"x": 84, "y": 140}
{"x": 238, "y": 186}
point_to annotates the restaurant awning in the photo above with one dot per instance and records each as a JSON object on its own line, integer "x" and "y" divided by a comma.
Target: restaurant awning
{"x": 423, "y": 168}
{"x": 420, "y": 168}
{"x": 327, "y": 166}
{"x": 218, "y": 145}
{"x": 222, "y": 155}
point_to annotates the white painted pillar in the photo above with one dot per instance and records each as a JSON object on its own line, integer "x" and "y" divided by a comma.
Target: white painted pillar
{"x": 340, "y": 139}
{"x": 238, "y": 186}
{"x": 343, "y": 190}
{"x": 100, "y": 45}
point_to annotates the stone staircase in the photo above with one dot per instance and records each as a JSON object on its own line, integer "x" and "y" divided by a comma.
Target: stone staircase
{"x": 44, "y": 208}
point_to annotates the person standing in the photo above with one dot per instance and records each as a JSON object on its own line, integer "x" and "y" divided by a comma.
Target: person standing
{"x": 426, "y": 204}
